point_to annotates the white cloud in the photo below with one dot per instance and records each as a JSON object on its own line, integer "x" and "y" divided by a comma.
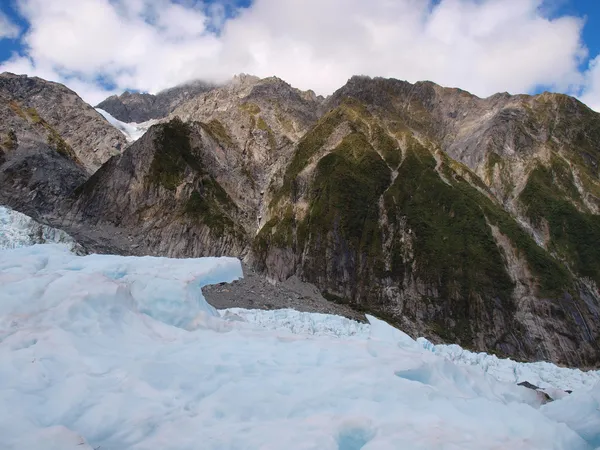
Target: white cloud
{"x": 591, "y": 92}
{"x": 484, "y": 46}
{"x": 8, "y": 30}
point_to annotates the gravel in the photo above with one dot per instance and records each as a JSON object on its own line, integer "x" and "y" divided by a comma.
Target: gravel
{"x": 256, "y": 292}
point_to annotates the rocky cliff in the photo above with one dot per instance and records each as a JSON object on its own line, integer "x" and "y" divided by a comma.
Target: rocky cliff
{"x": 140, "y": 107}
{"x": 462, "y": 219}
{"x": 61, "y": 118}
{"x": 470, "y": 219}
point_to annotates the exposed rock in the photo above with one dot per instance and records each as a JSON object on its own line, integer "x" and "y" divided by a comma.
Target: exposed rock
{"x": 161, "y": 194}
{"x": 387, "y": 221}
{"x": 38, "y": 169}
{"x": 139, "y": 107}
{"x": 528, "y": 385}
{"x": 58, "y": 113}
{"x": 255, "y": 292}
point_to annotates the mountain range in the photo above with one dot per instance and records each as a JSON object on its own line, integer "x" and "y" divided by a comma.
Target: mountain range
{"x": 461, "y": 219}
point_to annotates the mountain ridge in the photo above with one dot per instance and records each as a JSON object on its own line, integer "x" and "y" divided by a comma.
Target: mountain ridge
{"x": 458, "y": 218}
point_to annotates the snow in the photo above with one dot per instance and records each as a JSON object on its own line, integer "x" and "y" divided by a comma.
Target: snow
{"x": 19, "y": 230}
{"x": 542, "y": 374}
{"x": 132, "y": 131}
{"x": 314, "y": 324}
{"x": 124, "y": 353}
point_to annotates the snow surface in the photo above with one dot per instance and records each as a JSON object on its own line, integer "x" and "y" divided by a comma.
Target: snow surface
{"x": 132, "y": 131}
{"x": 124, "y": 353}
{"x": 541, "y": 374}
{"x": 19, "y": 230}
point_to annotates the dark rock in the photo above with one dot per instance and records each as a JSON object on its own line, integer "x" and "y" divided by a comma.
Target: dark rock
{"x": 528, "y": 385}
{"x": 138, "y": 107}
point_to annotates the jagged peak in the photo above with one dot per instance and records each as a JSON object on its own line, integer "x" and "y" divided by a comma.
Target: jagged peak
{"x": 244, "y": 79}
{"x": 9, "y": 76}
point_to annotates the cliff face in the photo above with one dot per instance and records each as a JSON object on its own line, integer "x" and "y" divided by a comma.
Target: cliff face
{"x": 425, "y": 204}
{"x": 160, "y": 192}
{"x": 61, "y": 117}
{"x": 462, "y": 219}
{"x": 136, "y": 107}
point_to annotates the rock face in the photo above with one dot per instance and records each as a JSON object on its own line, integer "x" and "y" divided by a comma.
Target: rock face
{"x": 37, "y": 166}
{"x": 461, "y": 219}
{"x": 161, "y": 191}
{"x": 374, "y": 210}
{"x": 61, "y": 116}
{"x": 135, "y": 107}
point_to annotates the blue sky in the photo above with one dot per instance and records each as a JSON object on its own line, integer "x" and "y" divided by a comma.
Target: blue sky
{"x": 590, "y": 10}
{"x": 101, "y": 47}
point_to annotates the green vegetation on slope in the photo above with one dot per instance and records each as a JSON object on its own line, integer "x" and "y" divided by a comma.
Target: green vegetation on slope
{"x": 345, "y": 193}
{"x": 439, "y": 229}
{"x": 173, "y": 154}
{"x": 454, "y": 248}
{"x": 209, "y": 205}
{"x": 575, "y": 235}
{"x": 313, "y": 141}
{"x": 218, "y": 133}
{"x": 386, "y": 146}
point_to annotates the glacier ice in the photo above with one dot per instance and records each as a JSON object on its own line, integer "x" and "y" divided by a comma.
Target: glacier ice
{"x": 543, "y": 374}
{"x": 132, "y": 131}
{"x": 19, "y": 230}
{"x": 124, "y": 353}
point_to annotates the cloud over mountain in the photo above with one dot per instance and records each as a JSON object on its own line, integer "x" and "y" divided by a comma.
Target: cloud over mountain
{"x": 99, "y": 46}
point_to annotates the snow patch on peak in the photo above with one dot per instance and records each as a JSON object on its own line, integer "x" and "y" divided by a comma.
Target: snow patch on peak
{"x": 132, "y": 131}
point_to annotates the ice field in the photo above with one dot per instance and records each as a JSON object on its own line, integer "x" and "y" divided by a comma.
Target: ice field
{"x": 19, "y": 230}
{"x": 113, "y": 353}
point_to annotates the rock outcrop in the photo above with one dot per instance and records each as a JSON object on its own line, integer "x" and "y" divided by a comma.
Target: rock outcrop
{"x": 68, "y": 123}
{"x": 139, "y": 107}
{"x": 160, "y": 192}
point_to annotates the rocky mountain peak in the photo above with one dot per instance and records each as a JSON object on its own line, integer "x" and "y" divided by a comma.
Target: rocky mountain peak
{"x": 57, "y": 116}
{"x": 136, "y": 107}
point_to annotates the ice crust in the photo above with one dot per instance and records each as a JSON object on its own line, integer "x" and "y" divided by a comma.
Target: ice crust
{"x": 124, "y": 353}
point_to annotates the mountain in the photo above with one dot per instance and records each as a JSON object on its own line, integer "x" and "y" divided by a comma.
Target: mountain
{"x": 50, "y": 142}
{"x": 139, "y": 107}
{"x": 57, "y": 117}
{"x": 382, "y": 206}
{"x": 203, "y": 179}
{"x": 457, "y": 218}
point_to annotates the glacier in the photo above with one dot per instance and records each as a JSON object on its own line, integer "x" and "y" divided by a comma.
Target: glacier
{"x": 19, "y": 230}
{"x": 132, "y": 131}
{"x": 108, "y": 352}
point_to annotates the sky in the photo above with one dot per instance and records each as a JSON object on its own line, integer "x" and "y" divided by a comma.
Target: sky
{"x": 104, "y": 47}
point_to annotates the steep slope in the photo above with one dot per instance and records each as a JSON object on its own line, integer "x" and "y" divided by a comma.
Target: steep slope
{"x": 376, "y": 215}
{"x": 160, "y": 192}
{"x": 65, "y": 116}
{"x": 37, "y": 167}
{"x": 138, "y": 107}
{"x": 257, "y": 124}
